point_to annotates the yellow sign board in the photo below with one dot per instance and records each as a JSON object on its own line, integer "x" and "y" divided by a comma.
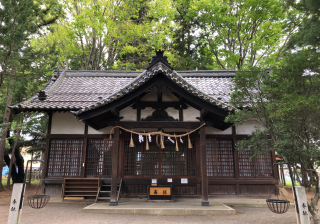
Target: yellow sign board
{"x": 160, "y": 191}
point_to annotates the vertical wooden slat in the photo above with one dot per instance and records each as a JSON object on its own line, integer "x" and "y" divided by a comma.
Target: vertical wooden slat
{"x": 115, "y": 158}
{"x": 205, "y": 199}
{"x": 236, "y": 159}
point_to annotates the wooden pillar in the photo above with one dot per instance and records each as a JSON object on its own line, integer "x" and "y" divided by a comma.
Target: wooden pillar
{"x": 204, "y": 177}
{"x": 198, "y": 166}
{"x": 115, "y": 159}
{"x": 84, "y": 152}
{"x": 236, "y": 160}
{"x": 121, "y": 156}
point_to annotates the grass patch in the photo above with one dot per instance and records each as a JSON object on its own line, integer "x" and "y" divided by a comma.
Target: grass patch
{"x": 5, "y": 181}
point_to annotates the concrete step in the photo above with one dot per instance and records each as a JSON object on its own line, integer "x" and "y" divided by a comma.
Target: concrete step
{"x": 170, "y": 208}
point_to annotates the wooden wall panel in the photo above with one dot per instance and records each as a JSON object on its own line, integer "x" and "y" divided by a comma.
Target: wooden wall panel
{"x": 256, "y": 189}
{"x": 222, "y": 189}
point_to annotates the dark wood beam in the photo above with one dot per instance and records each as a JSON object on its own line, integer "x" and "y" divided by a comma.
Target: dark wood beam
{"x": 115, "y": 112}
{"x": 159, "y": 124}
{"x": 114, "y": 175}
{"x": 156, "y": 105}
{"x": 204, "y": 177}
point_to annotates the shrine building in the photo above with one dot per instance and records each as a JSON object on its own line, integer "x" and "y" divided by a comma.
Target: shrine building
{"x": 85, "y": 155}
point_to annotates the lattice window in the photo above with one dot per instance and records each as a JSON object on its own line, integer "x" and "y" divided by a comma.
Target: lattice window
{"x": 258, "y": 167}
{"x": 99, "y": 158}
{"x": 65, "y": 157}
{"x": 219, "y": 154}
{"x": 159, "y": 162}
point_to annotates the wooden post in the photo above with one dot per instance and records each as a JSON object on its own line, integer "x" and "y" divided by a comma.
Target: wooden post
{"x": 205, "y": 199}
{"x": 198, "y": 166}
{"x": 115, "y": 158}
{"x": 236, "y": 160}
{"x": 121, "y": 156}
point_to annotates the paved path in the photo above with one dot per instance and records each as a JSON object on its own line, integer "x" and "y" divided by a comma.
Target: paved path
{"x": 57, "y": 213}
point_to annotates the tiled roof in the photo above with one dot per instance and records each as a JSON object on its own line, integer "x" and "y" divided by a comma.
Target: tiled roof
{"x": 85, "y": 90}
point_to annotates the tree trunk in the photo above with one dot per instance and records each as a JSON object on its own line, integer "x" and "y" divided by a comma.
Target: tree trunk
{"x": 4, "y": 129}
{"x": 313, "y": 208}
{"x": 13, "y": 151}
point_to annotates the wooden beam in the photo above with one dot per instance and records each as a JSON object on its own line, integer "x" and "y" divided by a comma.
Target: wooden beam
{"x": 159, "y": 124}
{"x": 204, "y": 177}
{"x": 156, "y": 105}
{"x": 235, "y": 160}
{"x": 114, "y": 175}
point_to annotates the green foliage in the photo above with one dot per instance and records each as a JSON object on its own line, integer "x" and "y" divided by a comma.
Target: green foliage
{"x": 109, "y": 34}
{"x": 241, "y": 33}
{"x": 286, "y": 104}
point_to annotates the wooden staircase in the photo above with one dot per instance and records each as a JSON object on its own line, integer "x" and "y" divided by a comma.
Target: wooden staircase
{"x": 104, "y": 192}
{"x": 80, "y": 188}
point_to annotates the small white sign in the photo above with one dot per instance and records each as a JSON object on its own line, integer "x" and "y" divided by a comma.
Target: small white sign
{"x": 184, "y": 180}
{"x": 169, "y": 180}
{"x": 14, "y": 216}
{"x": 154, "y": 181}
{"x": 303, "y": 205}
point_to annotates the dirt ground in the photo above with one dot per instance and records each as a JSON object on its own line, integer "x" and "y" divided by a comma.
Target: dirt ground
{"x": 57, "y": 213}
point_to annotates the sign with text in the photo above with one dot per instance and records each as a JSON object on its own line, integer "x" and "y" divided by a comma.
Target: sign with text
{"x": 160, "y": 190}
{"x": 14, "y": 216}
{"x": 302, "y": 205}
{"x": 184, "y": 180}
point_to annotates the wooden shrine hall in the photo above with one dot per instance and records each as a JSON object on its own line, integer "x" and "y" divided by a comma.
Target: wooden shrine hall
{"x": 100, "y": 143}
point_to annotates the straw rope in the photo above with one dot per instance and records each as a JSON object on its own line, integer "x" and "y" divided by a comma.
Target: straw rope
{"x": 157, "y": 132}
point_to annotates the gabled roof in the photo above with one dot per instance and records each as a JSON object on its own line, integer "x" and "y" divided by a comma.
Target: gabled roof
{"x": 81, "y": 91}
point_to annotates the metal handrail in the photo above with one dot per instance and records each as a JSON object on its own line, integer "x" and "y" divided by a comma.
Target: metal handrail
{"x": 119, "y": 189}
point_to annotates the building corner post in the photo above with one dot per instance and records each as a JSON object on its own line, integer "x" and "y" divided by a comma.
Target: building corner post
{"x": 115, "y": 159}
{"x": 204, "y": 177}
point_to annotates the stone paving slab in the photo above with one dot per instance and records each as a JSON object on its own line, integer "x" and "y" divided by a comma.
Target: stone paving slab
{"x": 151, "y": 208}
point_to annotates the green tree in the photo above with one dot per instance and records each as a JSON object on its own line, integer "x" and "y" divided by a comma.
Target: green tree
{"x": 105, "y": 34}
{"x": 286, "y": 105}
{"x": 240, "y": 33}
{"x": 20, "y": 21}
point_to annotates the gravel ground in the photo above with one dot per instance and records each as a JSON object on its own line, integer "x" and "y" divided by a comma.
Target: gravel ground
{"x": 72, "y": 213}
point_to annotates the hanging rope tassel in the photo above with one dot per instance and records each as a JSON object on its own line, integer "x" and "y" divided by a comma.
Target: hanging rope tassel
{"x": 177, "y": 149}
{"x": 111, "y": 134}
{"x": 147, "y": 144}
{"x": 189, "y": 143}
{"x": 161, "y": 141}
{"x": 131, "y": 145}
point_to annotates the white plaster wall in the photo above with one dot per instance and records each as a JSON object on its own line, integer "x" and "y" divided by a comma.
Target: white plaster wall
{"x": 166, "y": 96}
{"x": 169, "y": 97}
{"x": 173, "y": 112}
{"x": 247, "y": 128}
{"x": 152, "y": 96}
{"x": 105, "y": 130}
{"x": 66, "y": 123}
{"x": 128, "y": 114}
{"x": 146, "y": 112}
{"x": 213, "y": 131}
{"x": 190, "y": 114}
